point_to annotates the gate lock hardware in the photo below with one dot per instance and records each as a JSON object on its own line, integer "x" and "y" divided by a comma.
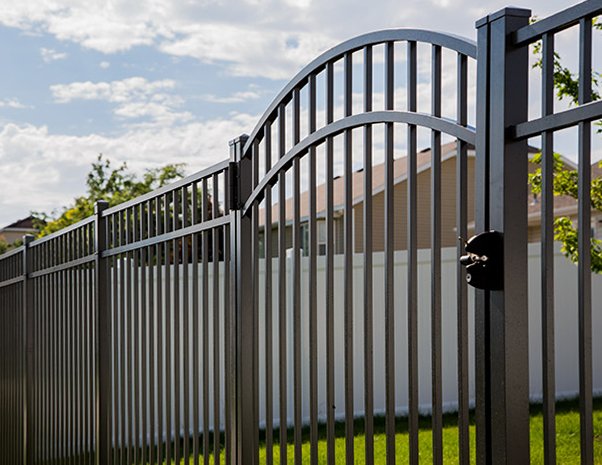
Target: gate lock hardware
{"x": 484, "y": 260}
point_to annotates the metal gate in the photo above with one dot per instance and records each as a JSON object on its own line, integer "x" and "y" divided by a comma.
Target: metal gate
{"x": 296, "y": 182}
{"x": 267, "y": 309}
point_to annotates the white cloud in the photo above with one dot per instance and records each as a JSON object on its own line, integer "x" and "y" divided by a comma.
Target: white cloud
{"x": 49, "y": 55}
{"x": 12, "y": 103}
{"x": 114, "y": 91}
{"x": 52, "y": 167}
{"x": 267, "y": 38}
{"x": 301, "y": 4}
{"x": 104, "y": 64}
{"x": 236, "y": 97}
{"x": 250, "y": 51}
{"x": 134, "y": 98}
{"x": 159, "y": 113}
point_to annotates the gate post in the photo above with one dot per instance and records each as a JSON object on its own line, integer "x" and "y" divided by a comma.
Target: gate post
{"x": 502, "y": 362}
{"x": 244, "y": 388}
{"x": 102, "y": 345}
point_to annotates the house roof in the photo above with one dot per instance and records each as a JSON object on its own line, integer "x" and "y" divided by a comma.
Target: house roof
{"x": 423, "y": 162}
{"x": 24, "y": 223}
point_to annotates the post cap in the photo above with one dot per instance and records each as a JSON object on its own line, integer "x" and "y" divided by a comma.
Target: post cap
{"x": 242, "y": 139}
{"x": 508, "y": 11}
{"x": 236, "y": 147}
{"x": 28, "y": 238}
{"x": 100, "y": 205}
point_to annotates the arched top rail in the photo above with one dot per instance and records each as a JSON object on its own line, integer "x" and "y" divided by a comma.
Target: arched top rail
{"x": 444, "y": 125}
{"x": 452, "y": 42}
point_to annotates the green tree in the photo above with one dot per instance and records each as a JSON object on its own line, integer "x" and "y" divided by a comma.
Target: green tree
{"x": 115, "y": 185}
{"x": 565, "y": 182}
{"x": 5, "y": 246}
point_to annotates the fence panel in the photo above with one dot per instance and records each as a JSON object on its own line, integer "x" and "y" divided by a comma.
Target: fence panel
{"x": 168, "y": 265}
{"x": 62, "y": 286}
{"x": 12, "y": 357}
{"x": 505, "y": 127}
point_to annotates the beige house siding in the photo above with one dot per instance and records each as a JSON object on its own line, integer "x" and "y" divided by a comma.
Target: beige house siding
{"x": 563, "y": 205}
{"x": 449, "y": 237}
{"x": 11, "y": 236}
{"x": 534, "y": 233}
{"x": 339, "y": 236}
{"x": 288, "y": 241}
{"x": 596, "y": 222}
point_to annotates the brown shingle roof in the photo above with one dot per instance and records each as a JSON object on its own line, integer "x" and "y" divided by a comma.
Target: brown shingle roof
{"x": 562, "y": 204}
{"x": 423, "y": 162}
{"x": 24, "y": 223}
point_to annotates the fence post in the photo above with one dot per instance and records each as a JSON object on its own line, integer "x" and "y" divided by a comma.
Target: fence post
{"x": 502, "y": 385}
{"x": 28, "y": 332}
{"x": 244, "y": 440}
{"x": 102, "y": 340}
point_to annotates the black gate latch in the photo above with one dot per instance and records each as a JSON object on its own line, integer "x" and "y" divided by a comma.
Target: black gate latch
{"x": 484, "y": 261}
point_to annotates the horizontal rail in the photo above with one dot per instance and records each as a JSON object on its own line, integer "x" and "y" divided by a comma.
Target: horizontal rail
{"x": 449, "y": 41}
{"x": 63, "y": 266}
{"x": 12, "y": 252}
{"x": 556, "y": 23}
{"x": 195, "y": 228}
{"x": 12, "y": 281}
{"x": 217, "y": 168}
{"x": 63, "y": 231}
{"x": 466, "y": 134}
{"x": 587, "y": 112}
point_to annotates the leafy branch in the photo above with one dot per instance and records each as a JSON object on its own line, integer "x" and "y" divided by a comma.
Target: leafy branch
{"x": 566, "y": 181}
{"x": 115, "y": 185}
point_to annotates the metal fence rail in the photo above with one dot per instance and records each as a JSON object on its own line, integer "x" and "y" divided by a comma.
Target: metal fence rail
{"x": 164, "y": 328}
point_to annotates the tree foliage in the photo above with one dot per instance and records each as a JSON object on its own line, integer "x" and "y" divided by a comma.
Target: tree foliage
{"x": 104, "y": 182}
{"x": 566, "y": 181}
{"x": 5, "y": 246}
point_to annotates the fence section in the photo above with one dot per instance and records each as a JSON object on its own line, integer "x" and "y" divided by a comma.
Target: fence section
{"x": 12, "y": 357}
{"x": 168, "y": 328}
{"x": 545, "y": 126}
{"x": 125, "y": 319}
{"x": 61, "y": 340}
{"x": 504, "y": 129}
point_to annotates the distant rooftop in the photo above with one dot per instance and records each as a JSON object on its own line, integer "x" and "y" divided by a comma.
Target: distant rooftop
{"x": 24, "y": 223}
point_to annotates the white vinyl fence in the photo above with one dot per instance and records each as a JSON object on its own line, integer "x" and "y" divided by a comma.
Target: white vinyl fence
{"x": 566, "y": 343}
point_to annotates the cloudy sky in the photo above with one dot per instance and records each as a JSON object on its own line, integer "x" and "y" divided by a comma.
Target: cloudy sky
{"x": 164, "y": 80}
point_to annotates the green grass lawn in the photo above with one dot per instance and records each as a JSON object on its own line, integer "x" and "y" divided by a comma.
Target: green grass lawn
{"x": 567, "y": 439}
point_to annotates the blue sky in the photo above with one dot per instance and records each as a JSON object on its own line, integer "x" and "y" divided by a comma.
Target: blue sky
{"x": 164, "y": 81}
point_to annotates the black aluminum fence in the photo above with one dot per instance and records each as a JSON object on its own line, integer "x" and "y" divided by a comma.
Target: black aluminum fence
{"x": 12, "y": 357}
{"x": 122, "y": 328}
{"x": 233, "y": 310}
{"x": 502, "y": 322}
